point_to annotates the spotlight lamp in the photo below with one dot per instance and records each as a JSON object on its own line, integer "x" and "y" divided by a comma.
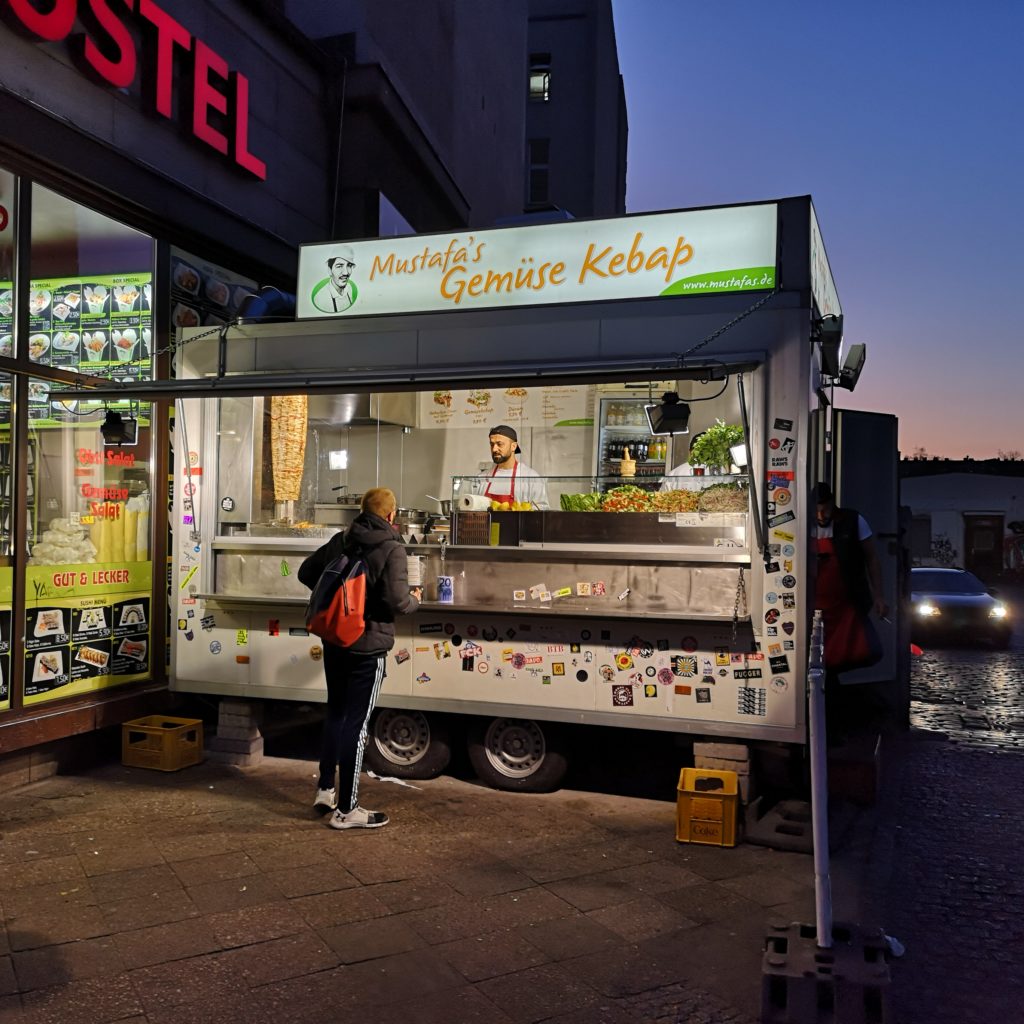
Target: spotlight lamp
{"x": 738, "y": 454}
{"x": 852, "y": 366}
{"x": 117, "y": 430}
{"x": 828, "y": 333}
{"x": 671, "y": 417}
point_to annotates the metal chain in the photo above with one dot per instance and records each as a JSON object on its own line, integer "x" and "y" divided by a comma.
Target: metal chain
{"x": 732, "y": 323}
{"x": 741, "y": 593}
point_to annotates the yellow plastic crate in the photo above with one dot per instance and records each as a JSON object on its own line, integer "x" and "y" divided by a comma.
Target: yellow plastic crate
{"x": 706, "y": 807}
{"x": 162, "y": 742}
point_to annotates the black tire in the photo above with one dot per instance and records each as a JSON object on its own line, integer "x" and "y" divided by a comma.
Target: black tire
{"x": 407, "y": 744}
{"x": 517, "y": 754}
{"x": 1001, "y": 641}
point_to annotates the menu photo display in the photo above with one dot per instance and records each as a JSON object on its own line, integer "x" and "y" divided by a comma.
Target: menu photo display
{"x": 204, "y": 294}
{"x": 95, "y": 324}
{"x": 47, "y": 635}
{"x": 5, "y": 655}
{"x": 130, "y": 644}
{"x": 90, "y": 636}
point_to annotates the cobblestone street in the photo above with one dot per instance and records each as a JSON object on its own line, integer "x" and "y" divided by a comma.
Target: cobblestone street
{"x": 946, "y": 862}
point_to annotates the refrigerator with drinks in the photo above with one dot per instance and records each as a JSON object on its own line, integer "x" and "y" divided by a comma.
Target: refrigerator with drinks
{"x": 622, "y": 426}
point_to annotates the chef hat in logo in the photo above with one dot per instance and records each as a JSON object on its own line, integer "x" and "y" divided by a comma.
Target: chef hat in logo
{"x": 345, "y": 253}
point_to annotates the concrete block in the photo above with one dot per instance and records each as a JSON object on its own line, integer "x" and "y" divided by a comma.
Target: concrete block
{"x": 237, "y": 732}
{"x": 721, "y": 764}
{"x": 786, "y": 826}
{"x": 745, "y": 788}
{"x": 220, "y": 744}
{"x": 729, "y": 751}
{"x": 847, "y": 982}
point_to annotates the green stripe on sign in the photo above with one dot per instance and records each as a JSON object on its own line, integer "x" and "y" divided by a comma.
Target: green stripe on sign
{"x": 744, "y": 279}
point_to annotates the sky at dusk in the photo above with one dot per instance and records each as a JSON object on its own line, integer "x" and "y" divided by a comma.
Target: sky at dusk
{"x": 904, "y": 123}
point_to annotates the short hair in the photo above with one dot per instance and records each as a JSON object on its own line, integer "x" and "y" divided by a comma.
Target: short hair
{"x": 380, "y": 501}
{"x": 822, "y": 493}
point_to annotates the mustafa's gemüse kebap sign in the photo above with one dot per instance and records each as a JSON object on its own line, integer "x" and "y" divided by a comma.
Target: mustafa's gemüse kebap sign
{"x": 695, "y": 252}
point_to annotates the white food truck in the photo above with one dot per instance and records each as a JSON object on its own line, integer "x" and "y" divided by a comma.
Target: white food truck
{"x": 632, "y": 599}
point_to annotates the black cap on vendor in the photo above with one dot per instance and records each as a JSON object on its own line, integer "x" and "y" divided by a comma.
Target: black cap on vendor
{"x": 504, "y": 442}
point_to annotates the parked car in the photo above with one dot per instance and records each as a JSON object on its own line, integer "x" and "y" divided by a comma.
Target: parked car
{"x": 954, "y": 604}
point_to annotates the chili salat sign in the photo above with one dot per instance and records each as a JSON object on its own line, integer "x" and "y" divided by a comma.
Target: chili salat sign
{"x": 694, "y": 252}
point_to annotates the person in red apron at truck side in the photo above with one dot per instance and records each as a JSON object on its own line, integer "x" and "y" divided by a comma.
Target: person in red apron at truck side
{"x": 510, "y": 480}
{"x": 848, "y": 586}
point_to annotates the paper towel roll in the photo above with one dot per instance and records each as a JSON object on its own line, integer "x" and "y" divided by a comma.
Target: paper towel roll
{"x": 473, "y": 503}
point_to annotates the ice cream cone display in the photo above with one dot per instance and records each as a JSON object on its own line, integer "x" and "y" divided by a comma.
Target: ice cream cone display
{"x": 288, "y": 423}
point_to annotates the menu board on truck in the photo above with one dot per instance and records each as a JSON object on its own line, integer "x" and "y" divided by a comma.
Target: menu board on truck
{"x": 87, "y": 627}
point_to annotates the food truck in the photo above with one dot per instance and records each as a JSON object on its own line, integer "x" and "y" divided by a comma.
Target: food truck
{"x": 630, "y": 597}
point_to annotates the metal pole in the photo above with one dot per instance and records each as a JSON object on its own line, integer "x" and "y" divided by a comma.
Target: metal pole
{"x": 819, "y": 785}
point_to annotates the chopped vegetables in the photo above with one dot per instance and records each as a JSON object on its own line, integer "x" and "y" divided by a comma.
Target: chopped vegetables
{"x": 628, "y": 498}
{"x": 581, "y": 502}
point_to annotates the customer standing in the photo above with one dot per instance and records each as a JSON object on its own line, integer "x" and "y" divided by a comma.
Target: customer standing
{"x": 355, "y": 674}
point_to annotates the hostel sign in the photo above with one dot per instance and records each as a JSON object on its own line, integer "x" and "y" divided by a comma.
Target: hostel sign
{"x": 118, "y": 42}
{"x": 695, "y": 252}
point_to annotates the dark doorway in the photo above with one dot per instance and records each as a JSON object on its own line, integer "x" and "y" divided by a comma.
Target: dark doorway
{"x": 983, "y": 545}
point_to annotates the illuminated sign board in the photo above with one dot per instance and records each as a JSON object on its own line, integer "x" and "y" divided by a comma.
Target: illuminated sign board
{"x": 213, "y": 98}
{"x": 692, "y": 252}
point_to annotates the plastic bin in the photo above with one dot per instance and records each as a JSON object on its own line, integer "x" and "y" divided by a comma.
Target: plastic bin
{"x": 706, "y": 807}
{"x": 162, "y": 742}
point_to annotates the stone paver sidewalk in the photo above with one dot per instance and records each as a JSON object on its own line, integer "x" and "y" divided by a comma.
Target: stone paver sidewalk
{"x": 214, "y": 894}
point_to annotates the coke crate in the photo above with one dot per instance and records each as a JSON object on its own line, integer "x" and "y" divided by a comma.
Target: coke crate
{"x": 706, "y": 807}
{"x": 162, "y": 742}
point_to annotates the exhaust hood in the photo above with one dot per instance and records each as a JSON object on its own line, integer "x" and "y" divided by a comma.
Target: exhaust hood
{"x": 364, "y": 409}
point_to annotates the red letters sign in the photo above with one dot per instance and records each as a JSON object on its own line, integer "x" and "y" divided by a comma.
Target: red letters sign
{"x": 214, "y": 100}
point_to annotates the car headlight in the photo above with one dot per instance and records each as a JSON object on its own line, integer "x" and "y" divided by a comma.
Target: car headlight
{"x": 927, "y": 609}
{"x": 998, "y": 611}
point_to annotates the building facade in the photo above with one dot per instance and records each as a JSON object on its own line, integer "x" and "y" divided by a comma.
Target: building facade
{"x": 576, "y": 125}
{"x": 966, "y": 512}
{"x": 159, "y": 163}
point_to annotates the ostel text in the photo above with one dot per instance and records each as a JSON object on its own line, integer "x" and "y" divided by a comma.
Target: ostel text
{"x": 214, "y": 100}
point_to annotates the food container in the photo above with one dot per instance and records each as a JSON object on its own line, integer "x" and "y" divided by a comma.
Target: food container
{"x": 335, "y": 513}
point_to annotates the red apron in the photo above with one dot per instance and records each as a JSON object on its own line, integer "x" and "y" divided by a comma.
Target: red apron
{"x": 511, "y": 496}
{"x": 840, "y": 617}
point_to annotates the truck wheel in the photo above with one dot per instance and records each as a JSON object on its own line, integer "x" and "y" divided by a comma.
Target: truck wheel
{"x": 407, "y": 744}
{"x": 517, "y": 754}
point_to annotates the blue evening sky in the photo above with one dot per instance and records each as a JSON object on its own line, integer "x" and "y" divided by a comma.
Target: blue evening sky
{"x": 904, "y": 121}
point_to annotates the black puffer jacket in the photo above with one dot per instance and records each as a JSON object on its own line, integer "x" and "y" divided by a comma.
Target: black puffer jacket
{"x": 374, "y": 540}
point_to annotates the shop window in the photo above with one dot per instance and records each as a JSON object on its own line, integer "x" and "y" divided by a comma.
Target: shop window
{"x": 6, "y": 263}
{"x": 6, "y": 546}
{"x": 88, "y": 583}
{"x": 7, "y": 452}
{"x": 540, "y": 77}
{"x": 89, "y": 577}
{"x": 91, "y": 290}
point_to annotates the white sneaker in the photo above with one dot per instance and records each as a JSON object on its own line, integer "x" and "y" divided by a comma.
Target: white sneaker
{"x": 358, "y": 818}
{"x": 325, "y": 801}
